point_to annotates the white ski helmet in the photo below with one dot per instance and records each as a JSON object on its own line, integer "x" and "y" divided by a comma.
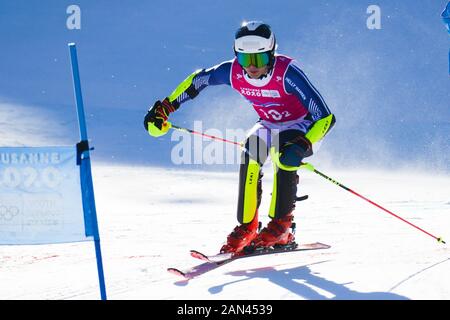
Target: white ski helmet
{"x": 255, "y": 37}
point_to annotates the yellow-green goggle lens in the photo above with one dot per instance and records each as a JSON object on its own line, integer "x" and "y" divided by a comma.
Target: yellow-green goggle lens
{"x": 258, "y": 60}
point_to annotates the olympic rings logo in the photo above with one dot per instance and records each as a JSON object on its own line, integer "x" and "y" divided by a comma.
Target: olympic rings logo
{"x": 8, "y": 213}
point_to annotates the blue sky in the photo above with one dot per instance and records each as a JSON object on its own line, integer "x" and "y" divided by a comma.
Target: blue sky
{"x": 389, "y": 88}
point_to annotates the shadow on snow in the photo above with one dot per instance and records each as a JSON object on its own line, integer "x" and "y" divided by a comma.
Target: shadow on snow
{"x": 306, "y": 284}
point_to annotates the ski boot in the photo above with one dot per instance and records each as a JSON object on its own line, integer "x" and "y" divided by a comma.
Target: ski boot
{"x": 241, "y": 236}
{"x": 277, "y": 233}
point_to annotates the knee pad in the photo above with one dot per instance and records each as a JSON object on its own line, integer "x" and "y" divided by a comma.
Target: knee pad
{"x": 250, "y": 174}
{"x": 250, "y": 190}
{"x": 284, "y": 193}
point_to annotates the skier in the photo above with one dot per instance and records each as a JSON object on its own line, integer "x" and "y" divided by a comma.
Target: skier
{"x": 293, "y": 116}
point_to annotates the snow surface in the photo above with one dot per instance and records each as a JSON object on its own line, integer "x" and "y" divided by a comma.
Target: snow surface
{"x": 150, "y": 218}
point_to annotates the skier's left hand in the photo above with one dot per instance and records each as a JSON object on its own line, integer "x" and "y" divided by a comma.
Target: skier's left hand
{"x": 293, "y": 153}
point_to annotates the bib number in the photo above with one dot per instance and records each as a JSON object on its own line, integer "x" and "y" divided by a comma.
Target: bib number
{"x": 275, "y": 115}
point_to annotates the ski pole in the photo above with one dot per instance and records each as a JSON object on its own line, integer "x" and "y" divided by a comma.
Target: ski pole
{"x": 241, "y": 144}
{"x": 310, "y": 167}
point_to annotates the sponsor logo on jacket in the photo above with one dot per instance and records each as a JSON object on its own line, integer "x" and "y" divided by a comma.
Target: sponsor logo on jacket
{"x": 251, "y": 92}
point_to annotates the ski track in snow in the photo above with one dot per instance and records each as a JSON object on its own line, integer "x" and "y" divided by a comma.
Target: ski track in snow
{"x": 150, "y": 218}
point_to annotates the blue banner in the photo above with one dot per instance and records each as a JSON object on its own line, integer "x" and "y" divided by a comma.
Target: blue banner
{"x": 41, "y": 196}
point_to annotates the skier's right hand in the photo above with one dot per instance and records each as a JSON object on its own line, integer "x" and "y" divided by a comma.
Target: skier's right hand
{"x": 155, "y": 121}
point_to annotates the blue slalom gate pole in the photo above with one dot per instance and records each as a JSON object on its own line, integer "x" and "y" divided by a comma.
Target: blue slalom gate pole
{"x": 86, "y": 168}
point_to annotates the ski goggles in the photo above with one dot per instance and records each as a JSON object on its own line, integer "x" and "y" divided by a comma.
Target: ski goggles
{"x": 259, "y": 60}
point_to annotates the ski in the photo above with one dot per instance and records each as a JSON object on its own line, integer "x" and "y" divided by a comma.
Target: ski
{"x": 197, "y": 270}
{"x": 212, "y": 262}
{"x": 250, "y": 252}
{"x": 217, "y": 258}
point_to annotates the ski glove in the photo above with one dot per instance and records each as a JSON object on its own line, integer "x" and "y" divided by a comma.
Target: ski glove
{"x": 291, "y": 154}
{"x": 155, "y": 121}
